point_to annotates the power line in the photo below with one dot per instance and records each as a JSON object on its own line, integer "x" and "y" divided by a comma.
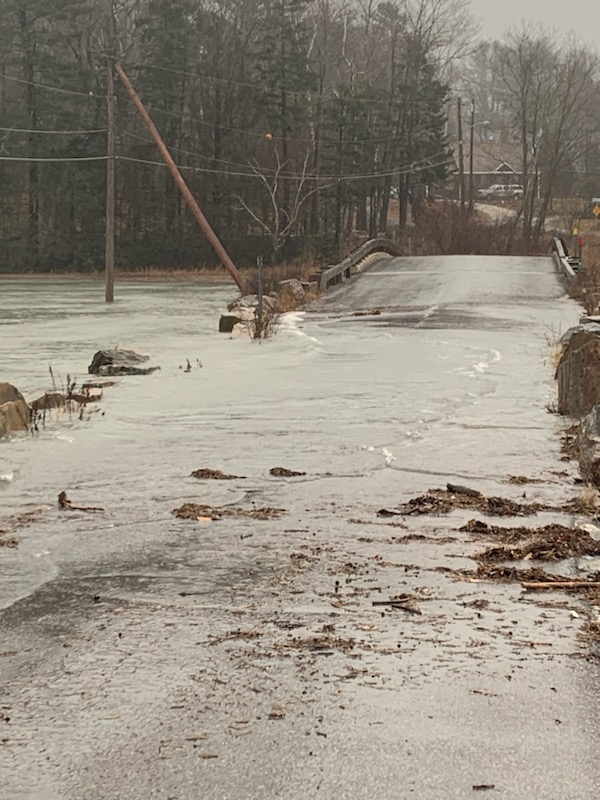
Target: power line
{"x": 52, "y": 160}
{"x": 53, "y": 88}
{"x": 262, "y": 87}
{"x": 269, "y": 170}
{"x": 230, "y": 128}
{"x": 407, "y": 170}
{"x": 261, "y": 134}
{"x": 413, "y": 168}
{"x": 62, "y": 133}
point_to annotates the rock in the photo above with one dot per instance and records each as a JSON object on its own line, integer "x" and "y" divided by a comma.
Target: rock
{"x": 15, "y": 414}
{"x": 50, "y": 400}
{"x": 251, "y": 301}
{"x": 122, "y": 360}
{"x": 591, "y": 327}
{"x": 236, "y": 315}
{"x": 98, "y": 385}
{"x": 292, "y": 289}
{"x": 578, "y": 372}
{"x": 88, "y": 394}
{"x": 228, "y": 322}
{"x": 241, "y": 329}
{"x": 9, "y": 393}
{"x": 47, "y": 401}
{"x": 121, "y": 369}
{"x": 588, "y": 444}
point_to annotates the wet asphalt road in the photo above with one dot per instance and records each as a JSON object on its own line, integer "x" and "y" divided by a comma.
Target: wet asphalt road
{"x": 244, "y": 659}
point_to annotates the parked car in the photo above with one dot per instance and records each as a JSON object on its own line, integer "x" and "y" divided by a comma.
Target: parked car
{"x": 501, "y": 191}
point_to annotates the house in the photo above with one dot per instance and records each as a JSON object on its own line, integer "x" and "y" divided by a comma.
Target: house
{"x": 493, "y": 162}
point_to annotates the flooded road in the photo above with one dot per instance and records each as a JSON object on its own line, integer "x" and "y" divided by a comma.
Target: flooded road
{"x": 147, "y": 656}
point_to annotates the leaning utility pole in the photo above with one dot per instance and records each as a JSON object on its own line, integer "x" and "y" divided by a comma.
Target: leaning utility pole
{"x": 109, "y": 247}
{"x": 183, "y": 187}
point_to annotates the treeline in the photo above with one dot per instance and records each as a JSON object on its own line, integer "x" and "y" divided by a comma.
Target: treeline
{"x": 294, "y": 122}
{"x": 540, "y": 91}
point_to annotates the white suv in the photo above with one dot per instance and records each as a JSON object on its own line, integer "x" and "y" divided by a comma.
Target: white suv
{"x": 501, "y": 191}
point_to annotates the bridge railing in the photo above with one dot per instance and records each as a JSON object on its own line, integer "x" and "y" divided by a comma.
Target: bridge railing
{"x": 338, "y": 273}
{"x": 565, "y": 264}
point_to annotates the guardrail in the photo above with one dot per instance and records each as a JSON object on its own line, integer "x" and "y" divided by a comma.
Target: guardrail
{"x": 565, "y": 264}
{"x": 338, "y": 273}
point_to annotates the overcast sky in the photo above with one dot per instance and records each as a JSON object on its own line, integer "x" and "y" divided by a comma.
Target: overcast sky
{"x": 581, "y": 16}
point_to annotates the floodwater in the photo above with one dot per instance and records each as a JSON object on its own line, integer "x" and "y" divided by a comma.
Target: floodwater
{"x": 419, "y": 391}
{"x": 448, "y": 380}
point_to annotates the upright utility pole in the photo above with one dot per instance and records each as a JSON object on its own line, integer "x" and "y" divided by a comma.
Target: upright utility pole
{"x": 461, "y": 163}
{"x": 182, "y": 185}
{"x": 471, "y": 141}
{"x": 109, "y": 247}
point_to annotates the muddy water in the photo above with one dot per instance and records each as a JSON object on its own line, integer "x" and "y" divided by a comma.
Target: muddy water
{"x": 439, "y": 391}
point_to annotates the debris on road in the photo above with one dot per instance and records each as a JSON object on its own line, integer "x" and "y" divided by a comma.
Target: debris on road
{"x": 214, "y": 475}
{"x": 8, "y": 525}
{"x": 519, "y": 480}
{"x": 65, "y": 503}
{"x": 196, "y": 510}
{"x": 456, "y": 489}
{"x": 282, "y": 472}
{"x": 442, "y": 501}
{"x": 404, "y": 602}
{"x": 550, "y": 543}
{"x": 562, "y": 584}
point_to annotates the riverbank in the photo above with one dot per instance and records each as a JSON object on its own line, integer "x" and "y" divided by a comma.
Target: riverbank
{"x": 197, "y": 275}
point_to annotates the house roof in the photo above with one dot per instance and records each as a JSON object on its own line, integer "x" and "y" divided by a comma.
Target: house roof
{"x": 491, "y": 157}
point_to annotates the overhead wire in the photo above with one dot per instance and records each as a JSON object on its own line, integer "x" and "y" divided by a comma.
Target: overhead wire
{"x": 61, "y": 133}
{"x": 262, "y": 87}
{"x": 247, "y": 169}
{"x": 189, "y": 118}
{"x": 51, "y": 159}
{"x": 272, "y": 172}
{"x": 333, "y": 178}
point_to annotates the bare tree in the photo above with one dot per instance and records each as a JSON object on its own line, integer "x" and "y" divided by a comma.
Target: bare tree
{"x": 284, "y": 201}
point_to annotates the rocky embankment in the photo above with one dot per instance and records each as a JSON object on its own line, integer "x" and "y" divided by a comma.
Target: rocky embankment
{"x": 578, "y": 376}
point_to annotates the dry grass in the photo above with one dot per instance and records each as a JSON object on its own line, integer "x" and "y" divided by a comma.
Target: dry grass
{"x": 587, "y": 501}
{"x": 301, "y": 269}
{"x": 586, "y": 287}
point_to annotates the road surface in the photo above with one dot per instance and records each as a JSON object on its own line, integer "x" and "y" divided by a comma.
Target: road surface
{"x": 144, "y": 656}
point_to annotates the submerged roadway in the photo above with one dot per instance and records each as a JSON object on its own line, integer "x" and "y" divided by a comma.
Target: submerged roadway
{"x": 245, "y": 659}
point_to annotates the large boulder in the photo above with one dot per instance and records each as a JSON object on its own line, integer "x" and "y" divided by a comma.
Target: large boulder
{"x": 291, "y": 292}
{"x": 120, "y": 361}
{"x": 251, "y": 301}
{"x": 237, "y": 314}
{"x": 578, "y": 371}
{"x": 15, "y": 414}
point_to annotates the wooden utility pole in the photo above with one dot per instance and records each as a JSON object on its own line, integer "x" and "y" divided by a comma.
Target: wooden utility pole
{"x": 471, "y": 141}
{"x": 109, "y": 249}
{"x": 461, "y": 163}
{"x": 182, "y": 185}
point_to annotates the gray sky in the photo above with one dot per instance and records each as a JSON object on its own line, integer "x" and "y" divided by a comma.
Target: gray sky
{"x": 581, "y": 16}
